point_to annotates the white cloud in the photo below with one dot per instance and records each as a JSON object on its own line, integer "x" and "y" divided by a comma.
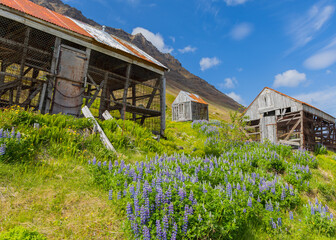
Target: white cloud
{"x": 234, "y": 2}
{"x": 290, "y": 78}
{"x": 321, "y": 59}
{"x": 173, "y": 39}
{"x": 228, "y": 83}
{"x": 328, "y": 72}
{"x": 207, "y": 63}
{"x": 187, "y": 49}
{"x": 236, "y": 97}
{"x": 324, "y": 99}
{"x": 241, "y": 31}
{"x": 240, "y": 69}
{"x": 304, "y": 28}
{"x": 156, "y": 39}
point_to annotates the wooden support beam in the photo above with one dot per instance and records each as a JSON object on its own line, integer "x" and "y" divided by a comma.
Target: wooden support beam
{"x": 292, "y": 130}
{"x": 302, "y": 138}
{"x": 53, "y": 70}
{"x": 128, "y": 74}
{"x": 149, "y": 103}
{"x": 22, "y": 64}
{"x": 163, "y": 104}
{"x": 104, "y": 95}
{"x": 93, "y": 98}
{"x": 32, "y": 95}
{"x": 134, "y": 100}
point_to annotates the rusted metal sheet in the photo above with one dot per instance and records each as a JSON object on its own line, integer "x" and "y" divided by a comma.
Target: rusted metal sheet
{"x": 69, "y": 82}
{"x": 112, "y": 41}
{"x": 45, "y": 14}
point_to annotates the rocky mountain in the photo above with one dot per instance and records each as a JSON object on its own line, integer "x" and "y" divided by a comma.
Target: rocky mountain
{"x": 178, "y": 78}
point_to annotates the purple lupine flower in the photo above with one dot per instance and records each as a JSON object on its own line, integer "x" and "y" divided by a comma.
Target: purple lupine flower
{"x": 199, "y": 218}
{"x": 99, "y": 164}
{"x": 146, "y": 233}
{"x": 119, "y": 195}
{"x": 312, "y": 210}
{"x": 110, "y": 194}
{"x": 269, "y": 206}
{"x": 88, "y": 161}
{"x": 249, "y": 202}
{"x": 143, "y": 215}
{"x": 158, "y": 229}
{"x": 229, "y": 189}
{"x": 110, "y": 166}
{"x": 171, "y": 210}
{"x": 165, "y": 223}
{"x": 168, "y": 195}
{"x": 136, "y": 206}
{"x": 185, "y": 223}
{"x": 279, "y": 222}
{"x": 331, "y": 216}
{"x": 18, "y": 136}
{"x": 283, "y": 194}
{"x": 273, "y": 190}
{"x": 94, "y": 160}
{"x": 174, "y": 232}
{"x": 116, "y": 163}
{"x": 316, "y": 201}
{"x": 129, "y": 210}
{"x": 258, "y": 200}
{"x": 181, "y": 193}
{"x": 134, "y": 225}
{"x": 291, "y": 217}
{"x": 274, "y": 225}
{"x": 244, "y": 210}
{"x": 244, "y": 187}
{"x": 238, "y": 186}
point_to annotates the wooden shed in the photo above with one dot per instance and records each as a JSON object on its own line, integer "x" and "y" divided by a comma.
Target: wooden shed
{"x": 285, "y": 120}
{"x": 189, "y": 107}
{"x": 55, "y": 64}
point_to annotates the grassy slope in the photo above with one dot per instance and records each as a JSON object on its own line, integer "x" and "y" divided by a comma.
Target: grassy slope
{"x": 56, "y": 196}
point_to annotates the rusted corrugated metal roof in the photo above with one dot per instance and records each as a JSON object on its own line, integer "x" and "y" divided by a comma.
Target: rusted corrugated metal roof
{"x": 294, "y": 99}
{"x": 60, "y": 20}
{"x": 112, "y": 41}
{"x": 196, "y": 98}
{"x": 45, "y": 14}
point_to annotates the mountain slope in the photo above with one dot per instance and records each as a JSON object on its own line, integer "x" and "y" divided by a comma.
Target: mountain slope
{"x": 178, "y": 78}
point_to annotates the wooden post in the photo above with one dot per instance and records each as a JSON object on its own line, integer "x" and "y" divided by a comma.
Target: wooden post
{"x": 163, "y": 104}
{"x": 4, "y": 66}
{"x": 53, "y": 71}
{"x": 151, "y": 98}
{"x": 134, "y": 99}
{"x": 302, "y": 143}
{"x": 128, "y": 73}
{"x": 22, "y": 65}
{"x": 104, "y": 96}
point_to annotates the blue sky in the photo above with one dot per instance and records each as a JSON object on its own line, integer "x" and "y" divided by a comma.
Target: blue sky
{"x": 239, "y": 46}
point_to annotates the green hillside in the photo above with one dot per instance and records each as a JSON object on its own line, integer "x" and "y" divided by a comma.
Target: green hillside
{"x": 202, "y": 182}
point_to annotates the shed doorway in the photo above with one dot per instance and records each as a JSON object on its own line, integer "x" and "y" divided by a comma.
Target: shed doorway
{"x": 69, "y": 87}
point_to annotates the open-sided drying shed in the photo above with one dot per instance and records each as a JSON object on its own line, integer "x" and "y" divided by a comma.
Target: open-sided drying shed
{"x": 56, "y": 64}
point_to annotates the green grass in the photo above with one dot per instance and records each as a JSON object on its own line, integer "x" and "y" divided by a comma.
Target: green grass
{"x": 52, "y": 191}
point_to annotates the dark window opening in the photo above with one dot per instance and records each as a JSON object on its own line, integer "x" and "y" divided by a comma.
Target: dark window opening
{"x": 268, "y": 114}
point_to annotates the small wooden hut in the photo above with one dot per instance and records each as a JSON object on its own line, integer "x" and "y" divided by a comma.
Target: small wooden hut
{"x": 189, "y": 107}
{"x": 286, "y": 120}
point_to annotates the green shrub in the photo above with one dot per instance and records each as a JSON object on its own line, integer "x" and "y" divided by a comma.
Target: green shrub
{"x": 20, "y": 233}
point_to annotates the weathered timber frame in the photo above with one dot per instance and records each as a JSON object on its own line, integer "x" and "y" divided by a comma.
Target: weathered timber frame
{"x": 304, "y": 128}
{"x": 30, "y": 49}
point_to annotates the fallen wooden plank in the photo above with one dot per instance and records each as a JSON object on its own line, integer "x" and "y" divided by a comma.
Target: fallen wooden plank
{"x": 87, "y": 113}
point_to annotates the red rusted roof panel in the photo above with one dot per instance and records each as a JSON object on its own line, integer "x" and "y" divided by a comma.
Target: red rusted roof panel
{"x": 196, "y": 98}
{"x": 45, "y": 14}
